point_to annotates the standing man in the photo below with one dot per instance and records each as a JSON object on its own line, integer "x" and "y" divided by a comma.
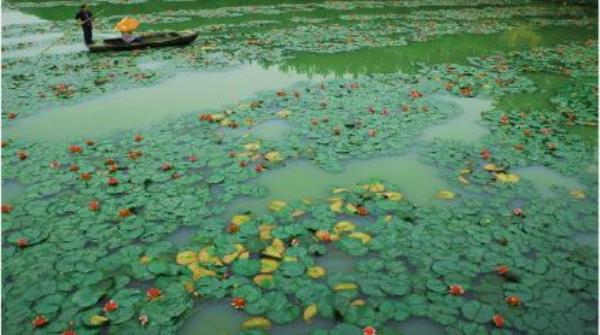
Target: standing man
{"x": 84, "y": 19}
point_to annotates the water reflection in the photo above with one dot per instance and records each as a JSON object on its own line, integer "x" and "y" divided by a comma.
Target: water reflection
{"x": 544, "y": 179}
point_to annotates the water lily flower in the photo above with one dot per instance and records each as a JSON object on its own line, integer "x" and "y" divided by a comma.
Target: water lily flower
{"x": 90, "y": 143}
{"x": 232, "y": 228}
{"x": 113, "y": 181}
{"x": 109, "y": 161}
{"x": 336, "y": 131}
{"x": 362, "y": 211}
{"x": 153, "y": 293}
{"x": 466, "y": 91}
{"x": 456, "y": 290}
{"x": 504, "y": 120}
{"x": 192, "y": 158}
{"x": 486, "y": 154}
{"x": 22, "y": 155}
{"x": 280, "y": 93}
{"x": 166, "y": 167}
{"x": 143, "y": 319}
{"x": 110, "y": 306}
{"x": 124, "y": 212}
{"x": 259, "y": 168}
{"x": 11, "y": 115}
{"x": 113, "y": 168}
{"x": 74, "y": 168}
{"x": 22, "y": 243}
{"x": 502, "y": 270}
{"x": 238, "y": 303}
{"x": 517, "y": 211}
{"x": 6, "y": 208}
{"x": 243, "y": 163}
{"x": 55, "y": 164}
{"x": 546, "y": 131}
{"x": 134, "y": 154}
{"x": 323, "y": 236}
{"x": 372, "y": 132}
{"x": 415, "y": 94}
{"x": 39, "y": 321}
{"x": 371, "y": 110}
{"x": 3, "y": 144}
{"x": 138, "y": 138}
{"x": 369, "y": 331}
{"x": 94, "y": 205}
{"x": 498, "y": 320}
{"x": 75, "y": 149}
{"x": 551, "y": 146}
{"x": 69, "y": 332}
{"x": 513, "y": 300}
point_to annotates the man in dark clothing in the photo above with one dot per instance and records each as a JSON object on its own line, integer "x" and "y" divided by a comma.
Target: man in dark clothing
{"x": 84, "y": 18}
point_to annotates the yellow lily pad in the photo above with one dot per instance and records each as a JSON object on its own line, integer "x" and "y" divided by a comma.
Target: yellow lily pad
{"x": 465, "y": 171}
{"x": 310, "y": 312}
{"x": 252, "y": 146}
{"x": 316, "y": 272}
{"x": 262, "y": 279}
{"x": 351, "y": 208}
{"x": 97, "y": 320}
{"x": 274, "y": 156}
{"x": 284, "y": 113}
{"x": 394, "y": 196}
{"x": 344, "y": 226}
{"x": 205, "y": 257}
{"x": 492, "y": 167}
{"x": 298, "y": 213}
{"x": 268, "y": 265}
{"x": 358, "y": 302}
{"x": 336, "y": 205}
{"x": 275, "y": 250}
{"x": 578, "y": 194}
{"x": 265, "y": 231}
{"x": 363, "y": 237}
{"x": 256, "y": 323}
{"x": 277, "y": 205}
{"x": 375, "y": 188}
{"x": 240, "y": 219}
{"x": 199, "y": 271}
{"x": 463, "y": 180}
{"x": 338, "y": 190}
{"x": 446, "y": 195}
{"x": 345, "y": 287}
{"x": 186, "y": 257}
{"x": 507, "y": 177}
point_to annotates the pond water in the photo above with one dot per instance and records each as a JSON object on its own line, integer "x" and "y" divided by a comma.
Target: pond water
{"x": 270, "y": 39}
{"x": 418, "y": 182}
{"x": 141, "y": 107}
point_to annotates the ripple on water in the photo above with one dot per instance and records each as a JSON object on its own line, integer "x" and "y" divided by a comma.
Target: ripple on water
{"x": 417, "y": 181}
{"x": 544, "y": 179}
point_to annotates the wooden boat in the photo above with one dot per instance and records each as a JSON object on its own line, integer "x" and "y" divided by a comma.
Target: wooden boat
{"x": 148, "y": 40}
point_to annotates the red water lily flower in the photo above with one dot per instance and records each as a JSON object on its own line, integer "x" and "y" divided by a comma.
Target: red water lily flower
{"x": 362, "y": 211}
{"x": 280, "y": 93}
{"x": 109, "y": 161}
{"x": 138, "y": 138}
{"x": 205, "y": 117}
{"x": 504, "y": 120}
{"x": 39, "y": 321}
{"x": 134, "y": 154}
{"x": 498, "y": 320}
{"x": 54, "y": 164}
{"x": 486, "y": 154}
{"x": 124, "y": 212}
{"x": 6, "y": 208}
{"x": 74, "y": 149}
{"x": 238, "y": 303}
{"x": 110, "y": 306}
{"x": 113, "y": 168}
{"x": 502, "y": 270}
{"x": 466, "y": 91}
{"x": 243, "y": 163}
{"x": 3, "y": 144}
{"x": 11, "y": 115}
{"x": 369, "y": 331}
{"x": 448, "y": 86}
{"x": 74, "y": 168}
{"x": 113, "y": 181}
{"x": 153, "y": 293}
{"x": 192, "y": 158}
{"x": 416, "y": 94}
{"x": 456, "y": 290}
{"x": 232, "y": 228}
{"x": 176, "y": 175}
{"x": 143, "y": 319}
{"x": 85, "y": 176}
{"x": 22, "y": 155}
{"x": 517, "y": 211}
{"x": 94, "y": 205}
{"x": 69, "y": 332}
{"x": 353, "y": 86}
{"x": 259, "y": 168}
{"x": 90, "y": 143}
{"x": 323, "y": 236}
{"x": 513, "y": 300}
{"x": 166, "y": 166}
{"x": 22, "y": 243}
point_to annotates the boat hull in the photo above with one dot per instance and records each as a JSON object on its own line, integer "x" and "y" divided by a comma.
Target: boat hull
{"x": 150, "y": 40}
